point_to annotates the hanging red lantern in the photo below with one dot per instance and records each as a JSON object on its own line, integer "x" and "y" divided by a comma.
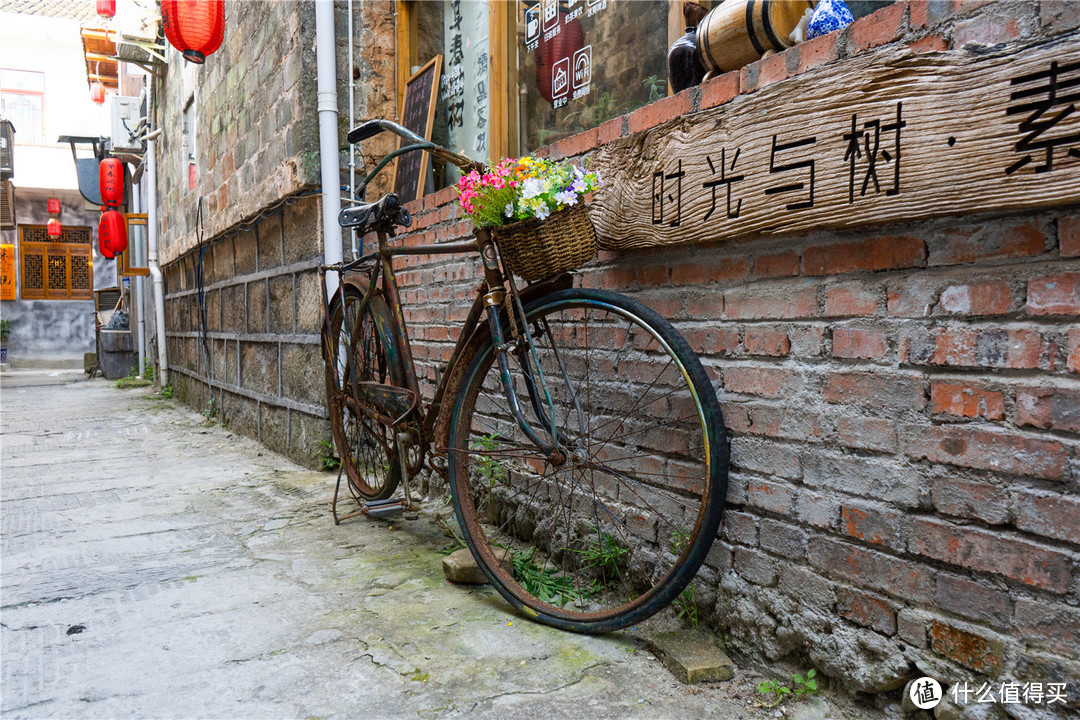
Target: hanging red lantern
{"x": 554, "y": 77}
{"x": 97, "y": 92}
{"x": 112, "y": 233}
{"x": 52, "y": 205}
{"x": 111, "y": 181}
{"x": 106, "y": 8}
{"x": 53, "y": 228}
{"x": 194, "y": 27}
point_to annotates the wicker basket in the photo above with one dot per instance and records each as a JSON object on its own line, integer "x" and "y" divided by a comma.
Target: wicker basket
{"x": 536, "y": 250}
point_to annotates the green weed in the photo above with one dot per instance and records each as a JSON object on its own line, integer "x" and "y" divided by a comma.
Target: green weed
{"x": 686, "y": 606}
{"x": 802, "y": 687}
{"x": 603, "y": 553}
{"x": 546, "y": 584}
{"x": 148, "y": 370}
{"x": 490, "y": 469}
{"x": 167, "y": 392}
{"x": 326, "y": 452}
{"x": 211, "y": 411}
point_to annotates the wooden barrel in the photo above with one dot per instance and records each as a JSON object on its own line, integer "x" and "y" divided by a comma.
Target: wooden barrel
{"x": 738, "y": 32}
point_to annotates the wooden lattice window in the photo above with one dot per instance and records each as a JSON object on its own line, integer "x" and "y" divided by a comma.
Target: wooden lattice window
{"x": 59, "y": 268}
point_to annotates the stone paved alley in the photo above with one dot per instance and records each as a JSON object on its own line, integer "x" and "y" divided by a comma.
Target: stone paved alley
{"x": 155, "y": 567}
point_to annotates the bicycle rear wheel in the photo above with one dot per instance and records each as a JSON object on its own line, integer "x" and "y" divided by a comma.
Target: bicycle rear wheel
{"x": 609, "y": 529}
{"x": 362, "y": 443}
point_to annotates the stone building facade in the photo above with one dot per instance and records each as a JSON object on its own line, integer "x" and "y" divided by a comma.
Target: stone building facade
{"x": 901, "y": 401}
{"x": 241, "y": 210}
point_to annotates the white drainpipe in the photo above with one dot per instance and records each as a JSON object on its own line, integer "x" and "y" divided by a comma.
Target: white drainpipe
{"x": 152, "y": 258}
{"x": 328, "y": 136}
{"x": 136, "y": 207}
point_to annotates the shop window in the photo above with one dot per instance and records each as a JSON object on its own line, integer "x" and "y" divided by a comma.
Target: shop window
{"x": 56, "y": 268}
{"x": 521, "y": 75}
{"x": 22, "y": 101}
{"x": 584, "y": 62}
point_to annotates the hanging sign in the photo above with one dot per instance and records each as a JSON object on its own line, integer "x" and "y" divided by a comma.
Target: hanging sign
{"x": 886, "y": 137}
{"x": 7, "y": 272}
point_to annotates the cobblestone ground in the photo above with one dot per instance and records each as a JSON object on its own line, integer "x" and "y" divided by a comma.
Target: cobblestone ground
{"x": 155, "y": 567}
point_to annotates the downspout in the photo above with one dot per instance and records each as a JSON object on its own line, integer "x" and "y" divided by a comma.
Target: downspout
{"x": 152, "y": 258}
{"x": 326, "y": 69}
{"x": 151, "y": 241}
{"x": 352, "y": 124}
{"x": 136, "y": 206}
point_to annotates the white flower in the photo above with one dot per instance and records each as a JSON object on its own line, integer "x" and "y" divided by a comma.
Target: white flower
{"x": 567, "y": 197}
{"x": 532, "y": 188}
{"x": 542, "y": 212}
{"x": 509, "y": 210}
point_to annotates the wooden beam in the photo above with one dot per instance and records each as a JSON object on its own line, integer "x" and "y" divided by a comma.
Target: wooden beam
{"x": 888, "y": 137}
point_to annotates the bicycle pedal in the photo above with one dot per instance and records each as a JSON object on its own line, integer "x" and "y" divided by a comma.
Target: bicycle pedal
{"x": 384, "y": 508}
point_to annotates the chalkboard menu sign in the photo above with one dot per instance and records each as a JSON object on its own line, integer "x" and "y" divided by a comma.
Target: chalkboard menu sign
{"x": 418, "y": 115}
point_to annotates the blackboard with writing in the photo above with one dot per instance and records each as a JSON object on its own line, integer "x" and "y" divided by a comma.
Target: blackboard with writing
{"x": 417, "y": 115}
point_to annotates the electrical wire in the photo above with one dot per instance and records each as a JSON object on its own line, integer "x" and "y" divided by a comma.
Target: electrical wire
{"x": 200, "y": 275}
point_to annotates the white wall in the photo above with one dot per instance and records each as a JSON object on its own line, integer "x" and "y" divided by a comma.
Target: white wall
{"x": 52, "y": 46}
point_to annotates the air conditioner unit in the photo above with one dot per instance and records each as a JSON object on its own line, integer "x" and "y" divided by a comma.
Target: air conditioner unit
{"x": 7, "y": 205}
{"x": 126, "y": 112}
{"x": 7, "y": 150}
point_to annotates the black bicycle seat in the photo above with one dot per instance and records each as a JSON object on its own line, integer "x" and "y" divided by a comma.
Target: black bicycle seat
{"x": 380, "y": 214}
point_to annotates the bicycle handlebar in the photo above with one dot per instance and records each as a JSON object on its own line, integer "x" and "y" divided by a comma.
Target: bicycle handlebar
{"x": 371, "y": 128}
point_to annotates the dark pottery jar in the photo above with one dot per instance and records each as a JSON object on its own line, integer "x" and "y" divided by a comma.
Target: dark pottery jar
{"x": 684, "y": 66}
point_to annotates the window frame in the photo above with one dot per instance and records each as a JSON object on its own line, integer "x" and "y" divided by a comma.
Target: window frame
{"x": 123, "y": 265}
{"x": 66, "y": 248}
{"x": 40, "y": 140}
{"x": 502, "y": 75}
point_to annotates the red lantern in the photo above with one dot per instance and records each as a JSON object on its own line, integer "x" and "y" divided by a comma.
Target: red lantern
{"x": 53, "y": 206}
{"x": 106, "y": 8}
{"x": 112, "y": 233}
{"x": 194, "y": 27}
{"x": 53, "y": 228}
{"x": 111, "y": 181}
{"x": 554, "y": 78}
{"x": 97, "y": 92}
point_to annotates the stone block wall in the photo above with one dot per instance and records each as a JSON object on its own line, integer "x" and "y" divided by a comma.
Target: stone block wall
{"x": 255, "y": 124}
{"x": 902, "y": 402}
{"x": 261, "y": 362}
{"x": 258, "y": 144}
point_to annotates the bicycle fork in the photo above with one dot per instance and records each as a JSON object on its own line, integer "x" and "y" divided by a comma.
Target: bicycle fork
{"x": 522, "y": 343}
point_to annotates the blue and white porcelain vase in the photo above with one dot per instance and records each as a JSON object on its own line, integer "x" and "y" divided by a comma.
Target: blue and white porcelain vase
{"x": 829, "y": 15}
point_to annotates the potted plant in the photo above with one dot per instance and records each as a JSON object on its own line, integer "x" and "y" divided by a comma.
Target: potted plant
{"x": 5, "y": 330}
{"x": 535, "y": 209}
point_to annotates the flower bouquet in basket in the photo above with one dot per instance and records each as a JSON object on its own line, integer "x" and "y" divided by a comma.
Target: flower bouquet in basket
{"x": 535, "y": 210}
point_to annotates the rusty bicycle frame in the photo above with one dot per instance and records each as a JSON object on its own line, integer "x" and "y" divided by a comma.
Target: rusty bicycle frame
{"x": 419, "y": 431}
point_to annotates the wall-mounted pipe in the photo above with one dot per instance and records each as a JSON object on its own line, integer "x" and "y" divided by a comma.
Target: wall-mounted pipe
{"x": 152, "y": 260}
{"x": 329, "y": 141}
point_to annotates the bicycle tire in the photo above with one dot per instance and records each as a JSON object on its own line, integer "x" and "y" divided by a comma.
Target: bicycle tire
{"x": 372, "y": 471}
{"x": 613, "y": 534}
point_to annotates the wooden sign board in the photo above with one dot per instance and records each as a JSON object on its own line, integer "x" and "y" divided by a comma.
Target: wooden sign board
{"x": 7, "y": 272}
{"x": 887, "y": 137}
{"x": 418, "y": 115}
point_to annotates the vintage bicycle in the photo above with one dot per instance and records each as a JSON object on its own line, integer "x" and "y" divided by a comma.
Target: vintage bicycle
{"x": 581, "y": 439}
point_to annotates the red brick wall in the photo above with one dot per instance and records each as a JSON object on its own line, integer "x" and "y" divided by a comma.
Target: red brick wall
{"x": 903, "y": 405}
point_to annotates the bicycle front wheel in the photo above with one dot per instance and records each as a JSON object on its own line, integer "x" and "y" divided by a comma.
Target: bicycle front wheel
{"x": 362, "y": 443}
{"x": 612, "y": 526}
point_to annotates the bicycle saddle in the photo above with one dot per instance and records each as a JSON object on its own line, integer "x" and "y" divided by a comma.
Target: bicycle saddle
{"x": 385, "y": 211}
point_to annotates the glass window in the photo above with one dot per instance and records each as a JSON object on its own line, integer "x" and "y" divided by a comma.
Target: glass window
{"x": 458, "y": 31}
{"x": 583, "y": 62}
{"x": 22, "y": 101}
{"x": 520, "y": 75}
